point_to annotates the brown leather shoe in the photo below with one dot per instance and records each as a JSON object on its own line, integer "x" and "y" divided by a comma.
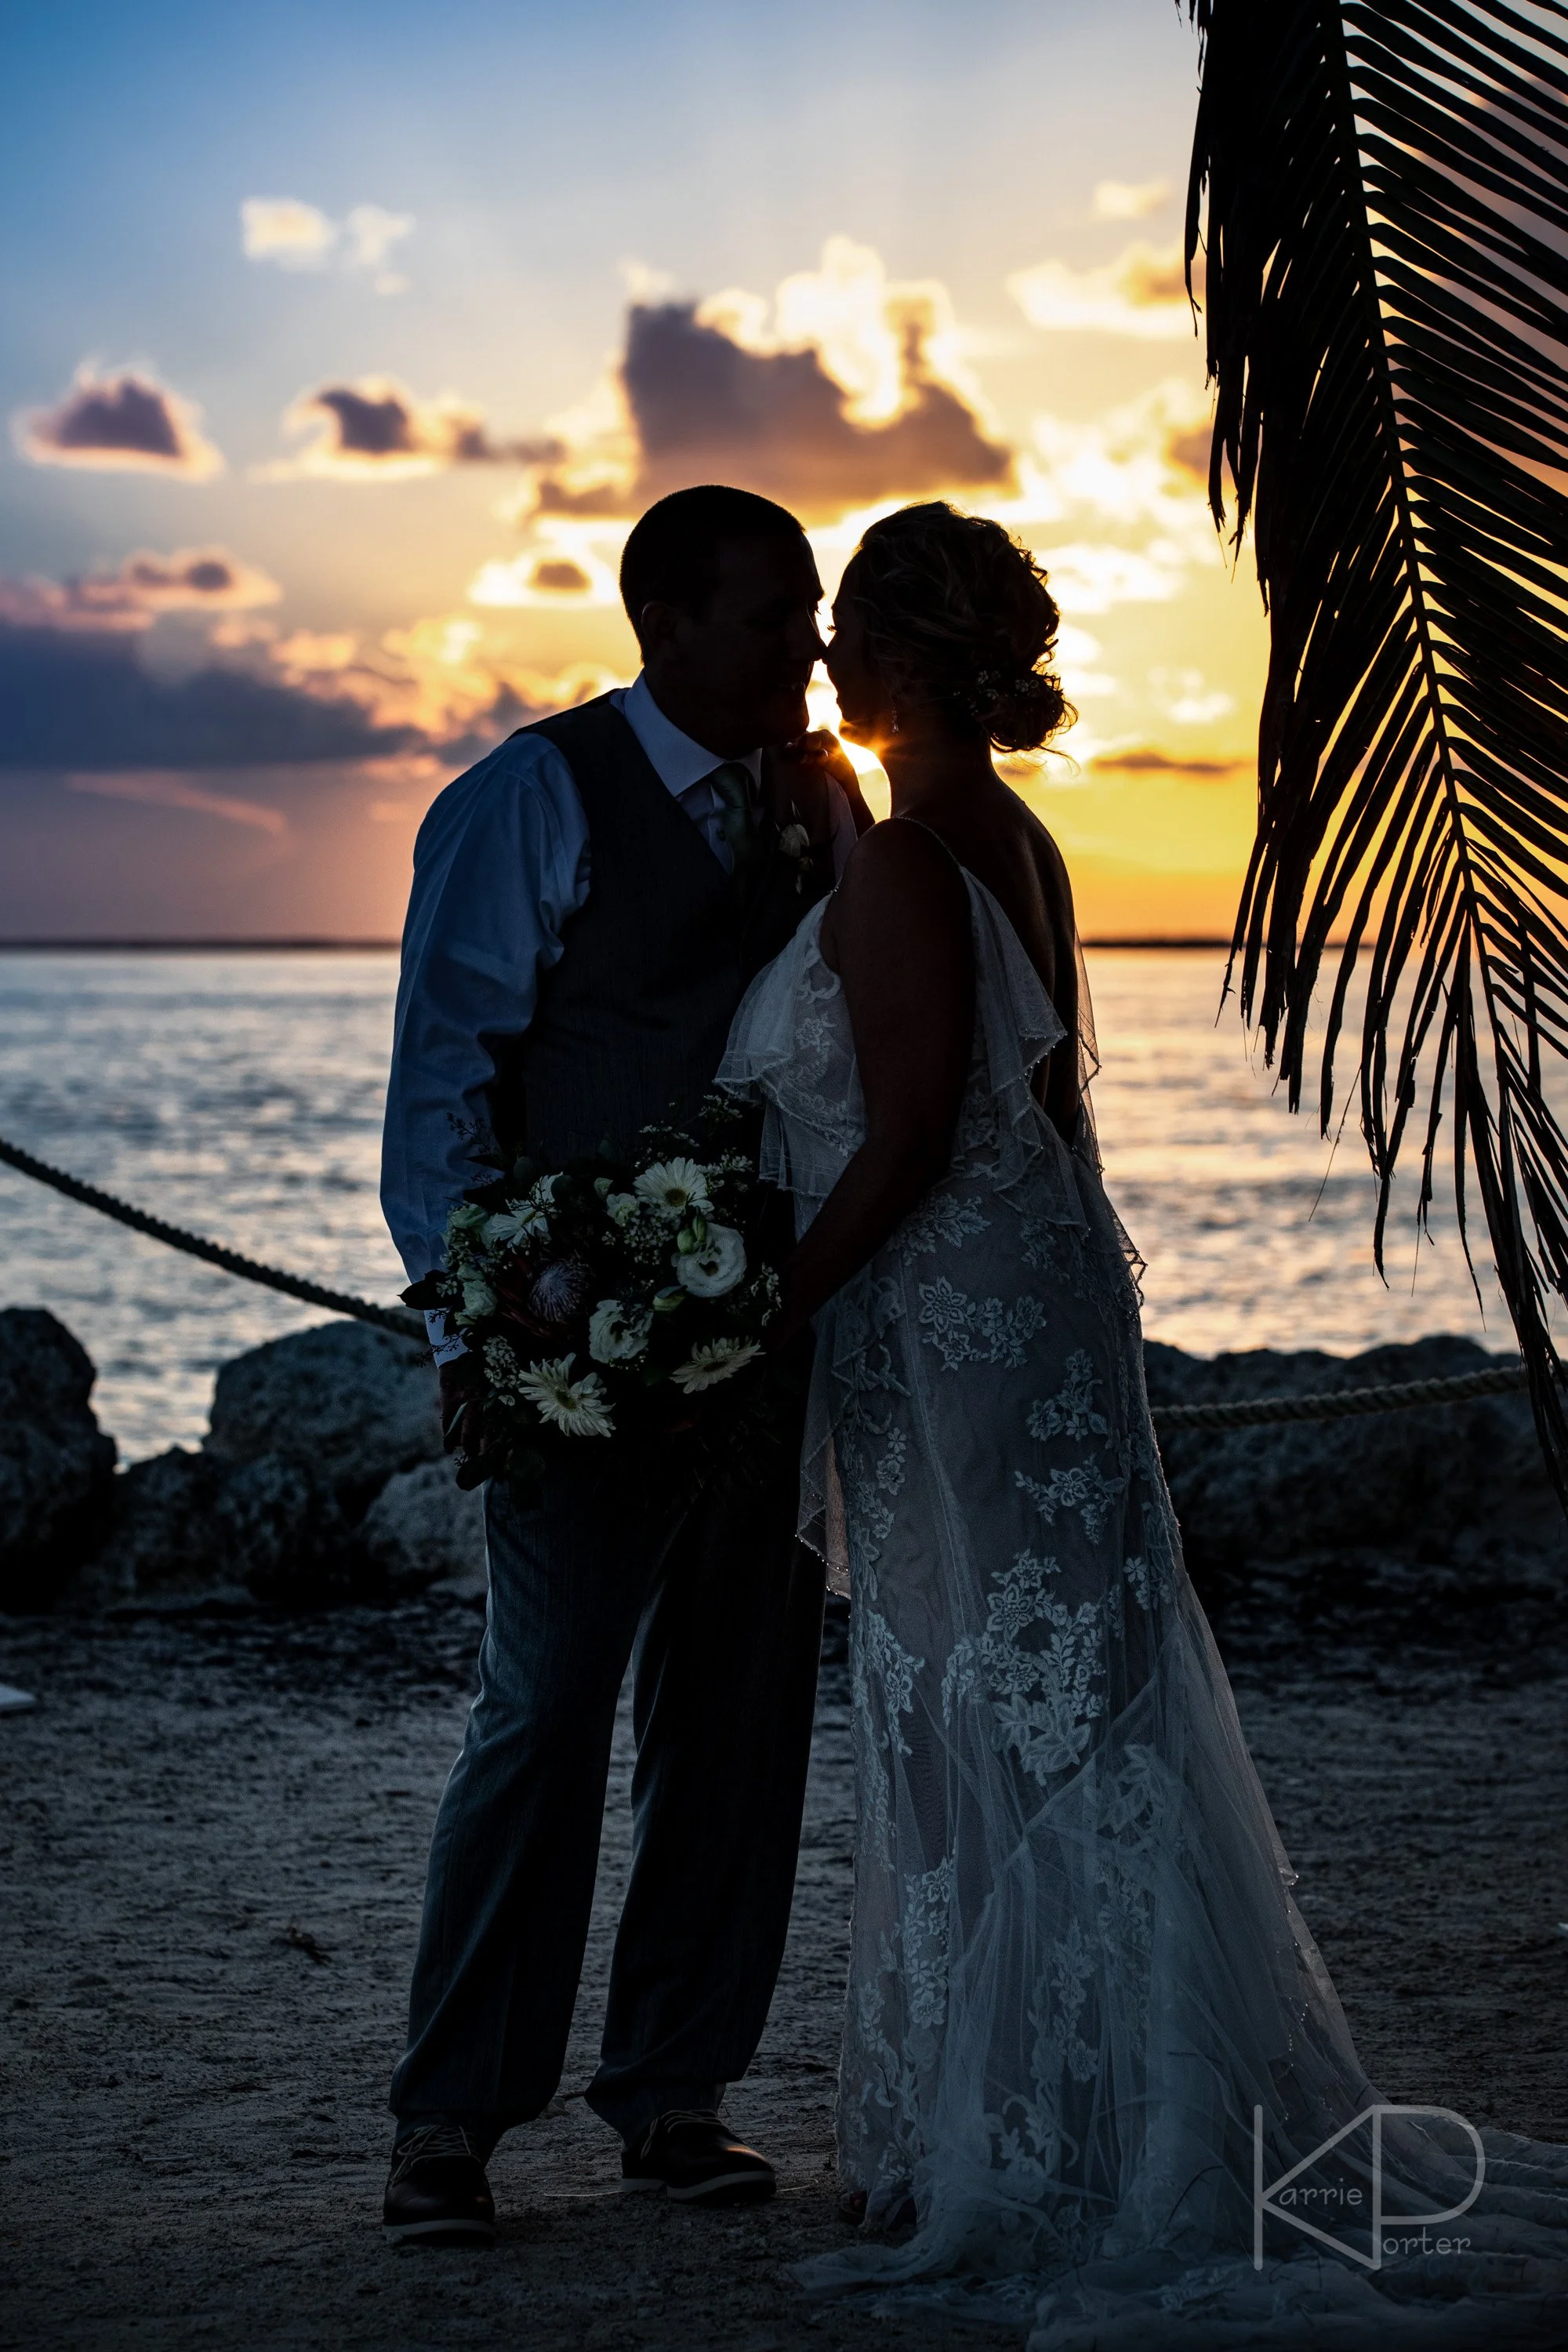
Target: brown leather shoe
{"x": 693, "y": 2157}
{"x": 437, "y": 2193}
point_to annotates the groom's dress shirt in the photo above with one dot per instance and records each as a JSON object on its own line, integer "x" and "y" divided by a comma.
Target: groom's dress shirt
{"x": 501, "y": 866}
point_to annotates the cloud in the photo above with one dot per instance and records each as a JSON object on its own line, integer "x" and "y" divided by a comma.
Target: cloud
{"x": 282, "y": 229}
{"x": 193, "y": 580}
{"x": 376, "y": 429}
{"x": 371, "y": 234}
{"x": 1145, "y": 759}
{"x": 80, "y": 698}
{"x": 84, "y": 700}
{"x": 122, "y": 422}
{"x": 301, "y": 236}
{"x": 560, "y": 576}
{"x": 846, "y": 391}
{"x": 1091, "y": 576}
{"x": 1122, "y": 200}
{"x": 1185, "y": 696}
{"x": 170, "y": 792}
{"x": 1141, "y": 293}
{"x": 571, "y": 560}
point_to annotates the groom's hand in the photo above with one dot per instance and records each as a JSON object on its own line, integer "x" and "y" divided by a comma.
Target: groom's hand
{"x": 460, "y": 1430}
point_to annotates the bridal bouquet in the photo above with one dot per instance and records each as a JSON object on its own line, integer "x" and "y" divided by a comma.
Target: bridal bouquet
{"x": 605, "y": 1303}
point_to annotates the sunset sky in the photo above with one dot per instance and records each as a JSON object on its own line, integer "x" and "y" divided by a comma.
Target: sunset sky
{"x": 344, "y": 343}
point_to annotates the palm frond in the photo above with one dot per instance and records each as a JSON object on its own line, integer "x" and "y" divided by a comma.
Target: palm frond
{"x": 1381, "y": 195}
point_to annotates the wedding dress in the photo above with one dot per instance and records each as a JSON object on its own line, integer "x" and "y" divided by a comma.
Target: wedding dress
{"x": 1085, "y": 2015}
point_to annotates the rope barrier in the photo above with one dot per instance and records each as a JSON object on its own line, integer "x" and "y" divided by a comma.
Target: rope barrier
{"x": 1243, "y": 1412}
{"x": 1340, "y": 1404}
{"x": 250, "y": 1269}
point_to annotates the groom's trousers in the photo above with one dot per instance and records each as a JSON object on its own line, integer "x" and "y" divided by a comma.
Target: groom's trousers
{"x": 722, "y": 1609}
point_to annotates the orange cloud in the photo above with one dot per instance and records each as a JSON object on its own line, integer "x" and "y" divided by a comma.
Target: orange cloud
{"x": 846, "y": 390}
{"x": 1129, "y": 199}
{"x": 1141, "y": 293}
{"x": 122, "y": 422}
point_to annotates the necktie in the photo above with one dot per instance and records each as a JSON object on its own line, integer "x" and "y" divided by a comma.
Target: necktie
{"x": 740, "y": 824}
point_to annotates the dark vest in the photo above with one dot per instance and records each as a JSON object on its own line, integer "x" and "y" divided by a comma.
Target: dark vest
{"x": 631, "y": 1020}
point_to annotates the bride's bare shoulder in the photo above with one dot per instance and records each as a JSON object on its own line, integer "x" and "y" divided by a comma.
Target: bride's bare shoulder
{"x": 901, "y": 884}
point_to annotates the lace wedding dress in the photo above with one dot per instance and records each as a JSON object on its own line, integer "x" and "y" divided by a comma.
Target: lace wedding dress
{"x": 1080, "y": 1989}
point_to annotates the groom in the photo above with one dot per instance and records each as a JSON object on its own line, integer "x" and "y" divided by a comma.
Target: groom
{"x": 589, "y": 904}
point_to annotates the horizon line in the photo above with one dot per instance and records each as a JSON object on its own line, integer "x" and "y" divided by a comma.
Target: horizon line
{"x": 305, "y": 943}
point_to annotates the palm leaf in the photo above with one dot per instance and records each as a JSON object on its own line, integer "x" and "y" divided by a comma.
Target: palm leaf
{"x": 1381, "y": 193}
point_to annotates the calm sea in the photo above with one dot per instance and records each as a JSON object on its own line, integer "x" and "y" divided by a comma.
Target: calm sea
{"x": 240, "y": 1094}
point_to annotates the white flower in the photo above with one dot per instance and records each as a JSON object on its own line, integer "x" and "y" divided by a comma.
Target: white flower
{"x": 520, "y": 1221}
{"x": 795, "y": 841}
{"x": 478, "y": 1300}
{"x": 618, "y": 1332}
{"x": 501, "y": 1363}
{"x": 715, "y": 1267}
{"x": 579, "y": 1407}
{"x": 621, "y": 1207}
{"x": 467, "y": 1217}
{"x": 542, "y": 1196}
{"x": 712, "y": 1361}
{"x": 675, "y": 1186}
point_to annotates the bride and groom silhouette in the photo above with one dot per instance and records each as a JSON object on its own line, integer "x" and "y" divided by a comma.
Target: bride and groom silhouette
{"x": 1085, "y": 2018}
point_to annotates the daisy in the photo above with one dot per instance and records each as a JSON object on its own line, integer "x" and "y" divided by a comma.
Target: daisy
{"x": 712, "y": 1361}
{"x": 581, "y": 1408}
{"x": 678, "y": 1187}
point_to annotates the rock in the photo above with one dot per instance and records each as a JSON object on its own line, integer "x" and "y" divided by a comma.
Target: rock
{"x": 350, "y": 1405}
{"x": 1461, "y": 1484}
{"x": 56, "y": 1463}
{"x": 163, "y": 1535}
{"x": 423, "y": 1529}
{"x": 282, "y": 1535}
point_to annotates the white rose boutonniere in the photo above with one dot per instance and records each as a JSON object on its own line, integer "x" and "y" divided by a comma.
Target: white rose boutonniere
{"x": 794, "y": 845}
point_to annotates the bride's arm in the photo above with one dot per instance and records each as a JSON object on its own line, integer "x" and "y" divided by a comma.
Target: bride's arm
{"x": 897, "y": 934}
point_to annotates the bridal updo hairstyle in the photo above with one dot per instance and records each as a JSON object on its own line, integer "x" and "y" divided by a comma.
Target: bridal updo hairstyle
{"x": 955, "y": 611}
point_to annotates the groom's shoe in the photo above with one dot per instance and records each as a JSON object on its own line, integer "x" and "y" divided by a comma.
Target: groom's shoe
{"x": 437, "y": 2192}
{"x": 693, "y": 2157}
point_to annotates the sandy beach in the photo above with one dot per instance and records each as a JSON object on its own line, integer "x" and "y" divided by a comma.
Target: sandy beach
{"x": 212, "y": 1839}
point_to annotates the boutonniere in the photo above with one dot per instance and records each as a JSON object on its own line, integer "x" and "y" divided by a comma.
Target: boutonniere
{"x": 794, "y": 847}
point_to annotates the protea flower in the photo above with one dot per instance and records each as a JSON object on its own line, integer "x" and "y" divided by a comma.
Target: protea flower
{"x": 559, "y": 1289}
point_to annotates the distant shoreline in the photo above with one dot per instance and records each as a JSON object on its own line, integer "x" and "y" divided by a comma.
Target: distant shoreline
{"x": 369, "y": 947}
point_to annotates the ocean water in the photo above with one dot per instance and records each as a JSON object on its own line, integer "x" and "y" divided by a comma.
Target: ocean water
{"x": 239, "y": 1095}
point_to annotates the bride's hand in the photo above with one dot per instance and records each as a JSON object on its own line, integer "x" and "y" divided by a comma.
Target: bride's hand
{"x": 797, "y": 776}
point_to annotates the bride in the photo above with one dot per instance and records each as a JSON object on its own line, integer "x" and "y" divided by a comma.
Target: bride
{"x": 1086, "y": 2024}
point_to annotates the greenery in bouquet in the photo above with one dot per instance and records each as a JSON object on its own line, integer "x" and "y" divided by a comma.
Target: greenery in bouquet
{"x": 613, "y": 1305}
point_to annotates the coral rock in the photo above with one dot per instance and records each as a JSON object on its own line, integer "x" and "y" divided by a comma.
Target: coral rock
{"x": 424, "y": 1528}
{"x": 56, "y": 1465}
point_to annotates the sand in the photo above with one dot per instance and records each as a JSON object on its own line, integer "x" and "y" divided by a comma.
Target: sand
{"x": 212, "y": 1841}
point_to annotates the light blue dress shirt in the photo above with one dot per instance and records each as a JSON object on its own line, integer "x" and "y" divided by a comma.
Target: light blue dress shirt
{"x": 500, "y": 865}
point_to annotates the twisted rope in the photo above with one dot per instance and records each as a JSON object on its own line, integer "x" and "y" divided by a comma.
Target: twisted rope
{"x": 1339, "y": 1404}
{"x": 250, "y": 1269}
{"x": 1243, "y": 1412}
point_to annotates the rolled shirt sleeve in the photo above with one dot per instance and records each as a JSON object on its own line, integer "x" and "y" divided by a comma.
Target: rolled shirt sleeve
{"x": 499, "y": 866}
